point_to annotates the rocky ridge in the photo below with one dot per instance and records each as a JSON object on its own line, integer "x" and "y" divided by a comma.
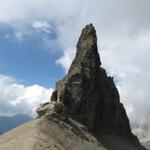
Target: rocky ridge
{"x": 88, "y": 95}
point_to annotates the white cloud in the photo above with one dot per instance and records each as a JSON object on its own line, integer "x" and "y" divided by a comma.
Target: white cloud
{"x": 123, "y": 39}
{"x": 18, "y": 11}
{"x": 7, "y": 36}
{"x": 16, "y": 98}
{"x": 127, "y": 58}
{"x": 66, "y": 60}
{"x": 42, "y": 26}
{"x": 123, "y": 30}
{"x": 19, "y": 35}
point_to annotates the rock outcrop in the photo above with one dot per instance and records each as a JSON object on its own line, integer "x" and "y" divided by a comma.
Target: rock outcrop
{"x": 88, "y": 95}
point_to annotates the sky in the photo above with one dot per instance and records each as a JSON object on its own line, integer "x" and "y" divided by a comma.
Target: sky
{"x": 38, "y": 43}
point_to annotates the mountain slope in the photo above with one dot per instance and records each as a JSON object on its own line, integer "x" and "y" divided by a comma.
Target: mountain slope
{"x": 8, "y": 123}
{"x": 47, "y": 134}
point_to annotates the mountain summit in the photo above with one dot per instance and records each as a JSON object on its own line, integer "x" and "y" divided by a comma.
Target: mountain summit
{"x": 89, "y": 95}
{"x": 84, "y": 113}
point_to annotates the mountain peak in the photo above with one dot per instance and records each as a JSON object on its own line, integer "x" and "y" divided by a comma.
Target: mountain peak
{"x": 87, "y": 94}
{"x": 87, "y": 55}
{"x": 88, "y": 32}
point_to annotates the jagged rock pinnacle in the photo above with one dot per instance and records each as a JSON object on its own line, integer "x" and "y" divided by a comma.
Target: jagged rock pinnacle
{"x": 87, "y": 51}
{"x": 88, "y": 94}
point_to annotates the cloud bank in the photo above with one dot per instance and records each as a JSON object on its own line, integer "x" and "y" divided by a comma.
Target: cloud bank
{"x": 123, "y": 30}
{"x": 16, "y": 98}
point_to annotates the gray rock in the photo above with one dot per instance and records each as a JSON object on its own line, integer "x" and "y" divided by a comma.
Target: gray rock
{"x": 89, "y": 95}
{"x": 44, "y": 108}
{"x": 50, "y": 108}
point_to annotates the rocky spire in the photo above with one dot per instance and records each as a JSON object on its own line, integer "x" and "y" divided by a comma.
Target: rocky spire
{"x": 88, "y": 94}
{"x": 87, "y": 52}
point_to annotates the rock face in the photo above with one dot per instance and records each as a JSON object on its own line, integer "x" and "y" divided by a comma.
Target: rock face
{"x": 85, "y": 112}
{"x": 89, "y": 95}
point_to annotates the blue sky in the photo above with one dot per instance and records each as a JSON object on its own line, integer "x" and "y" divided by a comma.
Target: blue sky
{"x": 28, "y": 60}
{"x": 38, "y": 43}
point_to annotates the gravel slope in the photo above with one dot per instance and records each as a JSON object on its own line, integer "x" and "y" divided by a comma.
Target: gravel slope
{"x": 43, "y": 134}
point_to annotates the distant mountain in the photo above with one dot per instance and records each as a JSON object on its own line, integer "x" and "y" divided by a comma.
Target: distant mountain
{"x": 143, "y": 133}
{"x": 8, "y": 123}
